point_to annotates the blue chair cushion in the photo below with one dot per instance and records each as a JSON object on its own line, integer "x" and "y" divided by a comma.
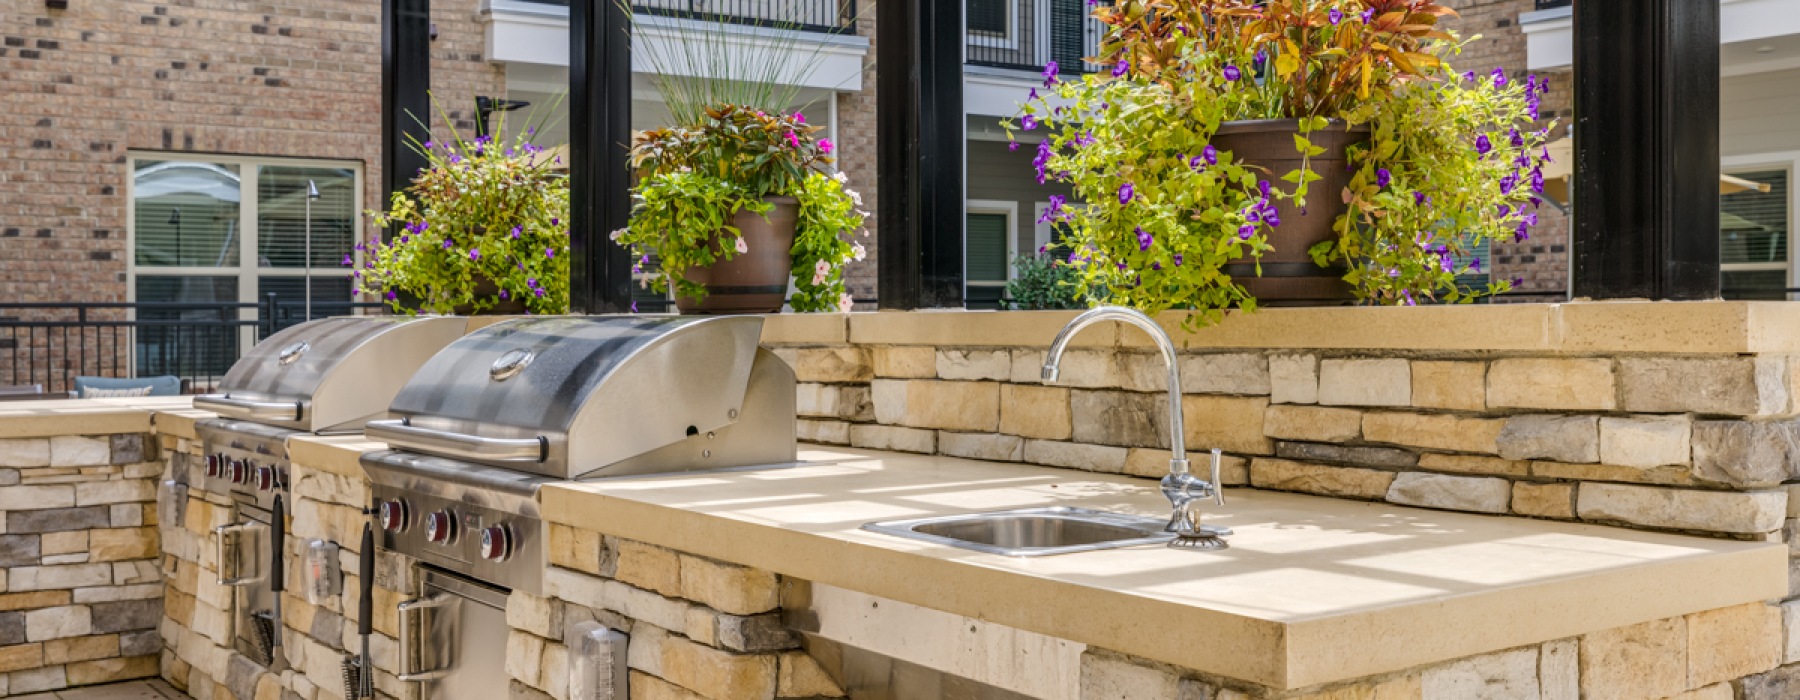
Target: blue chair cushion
{"x": 109, "y": 387}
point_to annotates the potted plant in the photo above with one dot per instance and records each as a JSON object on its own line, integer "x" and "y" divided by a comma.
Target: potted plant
{"x": 483, "y": 229}
{"x": 737, "y": 198}
{"x": 1292, "y": 150}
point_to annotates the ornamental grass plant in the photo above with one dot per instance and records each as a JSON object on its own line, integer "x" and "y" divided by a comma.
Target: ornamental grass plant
{"x": 1450, "y": 161}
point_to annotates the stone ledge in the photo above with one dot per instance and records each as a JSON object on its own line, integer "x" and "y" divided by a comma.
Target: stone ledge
{"x": 1708, "y": 327}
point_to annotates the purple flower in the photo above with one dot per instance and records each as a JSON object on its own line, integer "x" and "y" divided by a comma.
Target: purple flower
{"x": 634, "y": 307}
{"x": 1418, "y": 198}
{"x": 1499, "y": 76}
{"x": 1260, "y": 58}
{"x": 1042, "y": 160}
{"x": 539, "y": 292}
{"x": 1144, "y": 239}
{"x": 1263, "y": 186}
{"x": 1054, "y": 211}
{"x": 1126, "y": 193}
{"x": 1475, "y": 264}
{"x": 531, "y": 282}
{"x": 474, "y": 254}
{"x": 1518, "y": 140}
{"x": 1246, "y": 231}
{"x": 1120, "y": 69}
{"x": 1012, "y": 146}
{"x": 1505, "y": 210}
{"x": 1367, "y": 15}
{"x": 1156, "y": 266}
{"x": 504, "y": 295}
{"x": 555, "y": 222}
{"x": 1383, "y": 177}
{"x": 348, "y": 262}
{"x": 1483, "y": 145}
{"x": 550, "y": 253}
{"x": 392, "y": 296}
{"x": 1029, "y": 123}
{"x": 1336, "y": 16}
{"x": 1232, "y": 73}
{"x": 1522, "y": 234}
{"x": 429, "y": 144}
{"x": 1508, "y": 183}
{"x": 1272, "y": 217}
{"x": 1050, "y": 71}
{"x": 447, "y": 244}
{"x": 1537, "y": 180}
{"x": 1178, "y": 260}
{"x": 1210, "y": 154}
{"x": 1033, "y": 95}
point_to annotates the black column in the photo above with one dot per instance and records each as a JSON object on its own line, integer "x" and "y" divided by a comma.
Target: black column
{"x": 919, "y": 87}
{"x": 599, "y": 141}
{"x": 405, "y": 91}
{"x": 1646, "y": 149}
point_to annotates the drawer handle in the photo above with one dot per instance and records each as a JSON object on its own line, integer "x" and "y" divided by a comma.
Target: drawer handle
{"x": 407, "y": 674}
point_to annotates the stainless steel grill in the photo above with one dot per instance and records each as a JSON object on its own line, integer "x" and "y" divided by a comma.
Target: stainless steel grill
{"x": 326, "y": 376}
{"x": 525, "y": 402}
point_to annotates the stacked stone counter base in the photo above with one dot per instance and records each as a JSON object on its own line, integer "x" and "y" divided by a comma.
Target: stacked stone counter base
{"x": 80, "y": 594}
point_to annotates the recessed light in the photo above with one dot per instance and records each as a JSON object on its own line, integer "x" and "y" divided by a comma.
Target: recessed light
{"x": 1765, "y": 48}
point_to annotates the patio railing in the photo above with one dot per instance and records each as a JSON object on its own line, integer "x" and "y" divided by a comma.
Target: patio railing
{"x": 826, "y": 16}
{"x": 1028, "y": 34}
{"x": 1551, "y": 4}
{"x": 50, "y": 344}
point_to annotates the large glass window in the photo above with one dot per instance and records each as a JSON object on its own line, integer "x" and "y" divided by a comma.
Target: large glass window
{"x": 219, "y": 252}
{"x": 1753, "y": 237}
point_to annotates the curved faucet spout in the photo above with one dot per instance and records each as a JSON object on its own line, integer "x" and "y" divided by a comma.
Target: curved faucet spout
{"x": 1053, "y": 361}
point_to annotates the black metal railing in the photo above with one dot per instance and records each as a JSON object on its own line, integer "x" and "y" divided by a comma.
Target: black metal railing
{"x": 826, "y": 16}
{"x": 50, "y": 344}
{"x": 1552, "y": 4}
{"x": 1028, "y": 34}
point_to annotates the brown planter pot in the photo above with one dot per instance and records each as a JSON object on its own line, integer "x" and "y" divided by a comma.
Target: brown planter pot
{"x": 487, "y": 288}
{"x": 1289, "y": 276}
{"x": 755, "y": 282}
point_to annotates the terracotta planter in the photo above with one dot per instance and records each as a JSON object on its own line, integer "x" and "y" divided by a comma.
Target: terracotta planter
{"x": 755, "y": 282}
{"x": 1289, "y": 276}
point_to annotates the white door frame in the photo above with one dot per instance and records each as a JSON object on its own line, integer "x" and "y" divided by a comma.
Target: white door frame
{"x": 1775, "y": 160}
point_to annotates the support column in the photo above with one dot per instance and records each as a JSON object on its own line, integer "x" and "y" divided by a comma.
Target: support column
{"x": 405, "y": 91}
{"x": 919, "y": 85}
{"x": 599, "y": 142}
{"x": 1646, "y": 188}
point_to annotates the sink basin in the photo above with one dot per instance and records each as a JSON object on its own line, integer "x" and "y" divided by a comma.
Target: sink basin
{"x": 1031, "y": 532}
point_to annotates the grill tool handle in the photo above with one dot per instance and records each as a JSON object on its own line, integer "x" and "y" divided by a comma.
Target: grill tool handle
{"x": 226, "y": 562}
{"x": 399, "y": 435}
{"x": 244, "y": 409}
{"x": 365, "y": 571}
{"x": 277, "y": 534}
{"x": 406, "y": 609}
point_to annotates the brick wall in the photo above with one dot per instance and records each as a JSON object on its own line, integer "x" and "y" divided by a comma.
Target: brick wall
{"x": 80, "y": 593}
{"x": 858, "y": 158}
{"x": 1540, "y": 265}
{"x": 294, "y": 78}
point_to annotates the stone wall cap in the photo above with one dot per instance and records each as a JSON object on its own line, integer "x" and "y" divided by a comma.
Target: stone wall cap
{"x": 1307, "y": 583}
{"x": 37, "y": 419}
{"x": 1582, "y": 328}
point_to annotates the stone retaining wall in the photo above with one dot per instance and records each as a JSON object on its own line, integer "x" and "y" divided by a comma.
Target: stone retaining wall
{"x": 80, "y": 595}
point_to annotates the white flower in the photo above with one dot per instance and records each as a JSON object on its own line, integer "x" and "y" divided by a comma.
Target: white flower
{"x": 858, "y": 252}
{"x": 616, "y": 235}
{"x": 845, "y": 303}
{"x": 854, "y": 196}
{"x": 742, "y": 247}
{"x": 841, "y": 178}
{"x": 820, "y": 270}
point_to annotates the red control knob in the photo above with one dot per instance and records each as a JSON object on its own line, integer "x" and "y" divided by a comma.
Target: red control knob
{"x": 214, "y": 463}
{"x": 265, "y": 478}
{"x": 240, "y": 472}
{"x": 394, "y": 515}
{"x": 496, "y": 543}
{"x": 440, "y": 527}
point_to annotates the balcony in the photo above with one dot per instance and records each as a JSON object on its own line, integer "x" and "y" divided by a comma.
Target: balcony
{"x": 1029, "y": 34}
{"x": 823, "y": 16}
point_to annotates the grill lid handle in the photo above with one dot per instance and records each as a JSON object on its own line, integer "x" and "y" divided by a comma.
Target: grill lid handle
{"x": 243, "y": 409}
{"x": 399, "y": 435}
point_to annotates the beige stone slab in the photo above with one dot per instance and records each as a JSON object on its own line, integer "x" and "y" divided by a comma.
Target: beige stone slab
{"x": 336, "y": 454}
{"x": 26, "y": 419}
{"x": 973, "y": 329}
{"x": 805, "y": 329}
{"x": 1313, "y": 590}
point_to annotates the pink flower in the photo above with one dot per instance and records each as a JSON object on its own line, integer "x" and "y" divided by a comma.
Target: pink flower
{"x": 794, "y": 139}
{"x": 742, "y": 247}
{"x": 845, "y": 303}
{"x": 825, "y": 145}
{"x": 820, "y": 270}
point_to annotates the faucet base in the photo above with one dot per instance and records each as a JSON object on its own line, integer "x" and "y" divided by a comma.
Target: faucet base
{"x": 1200, "y": 543}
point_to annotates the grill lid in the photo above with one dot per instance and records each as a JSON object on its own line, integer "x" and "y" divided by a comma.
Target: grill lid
{"x": 567, "y": 396}
{"x": 329, "y": 375}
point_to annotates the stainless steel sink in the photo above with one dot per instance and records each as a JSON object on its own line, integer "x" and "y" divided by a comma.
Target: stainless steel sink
{"x": 1031, "y": 532}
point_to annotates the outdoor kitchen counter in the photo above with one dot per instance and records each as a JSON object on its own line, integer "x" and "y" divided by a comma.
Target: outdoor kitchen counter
{"x": 1312, "y": 590}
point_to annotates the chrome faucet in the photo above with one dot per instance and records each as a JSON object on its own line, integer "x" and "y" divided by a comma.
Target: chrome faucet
{"x": 1185, "y": 491}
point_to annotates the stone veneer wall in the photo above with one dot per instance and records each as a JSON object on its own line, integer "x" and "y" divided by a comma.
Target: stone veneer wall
{"x": 80, "y": 596}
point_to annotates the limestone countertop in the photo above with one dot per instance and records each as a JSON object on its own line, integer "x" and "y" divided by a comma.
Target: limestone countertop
{"x": 57, "y": 417}
{"x": 1313, "y": 590}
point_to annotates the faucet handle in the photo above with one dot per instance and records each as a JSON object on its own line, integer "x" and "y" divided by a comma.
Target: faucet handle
{"x": 1218, "y": 487}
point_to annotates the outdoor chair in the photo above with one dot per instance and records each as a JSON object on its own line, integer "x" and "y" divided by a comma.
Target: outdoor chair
{"x": 110, "y": 387}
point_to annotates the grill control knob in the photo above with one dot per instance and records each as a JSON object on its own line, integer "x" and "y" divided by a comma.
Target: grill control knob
{"x": 213, "y": 463}
{"x": 496, "y": 543}
{"x": 240, "y": 471}
{"x": 440, "y": 527}
{"x": 265, "y": 479}
{"x": 394, "y": 516}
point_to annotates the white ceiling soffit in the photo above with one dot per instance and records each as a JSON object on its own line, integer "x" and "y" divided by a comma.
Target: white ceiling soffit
{"x": 524, "y": 33}
{"x": 1756, "y": 36}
